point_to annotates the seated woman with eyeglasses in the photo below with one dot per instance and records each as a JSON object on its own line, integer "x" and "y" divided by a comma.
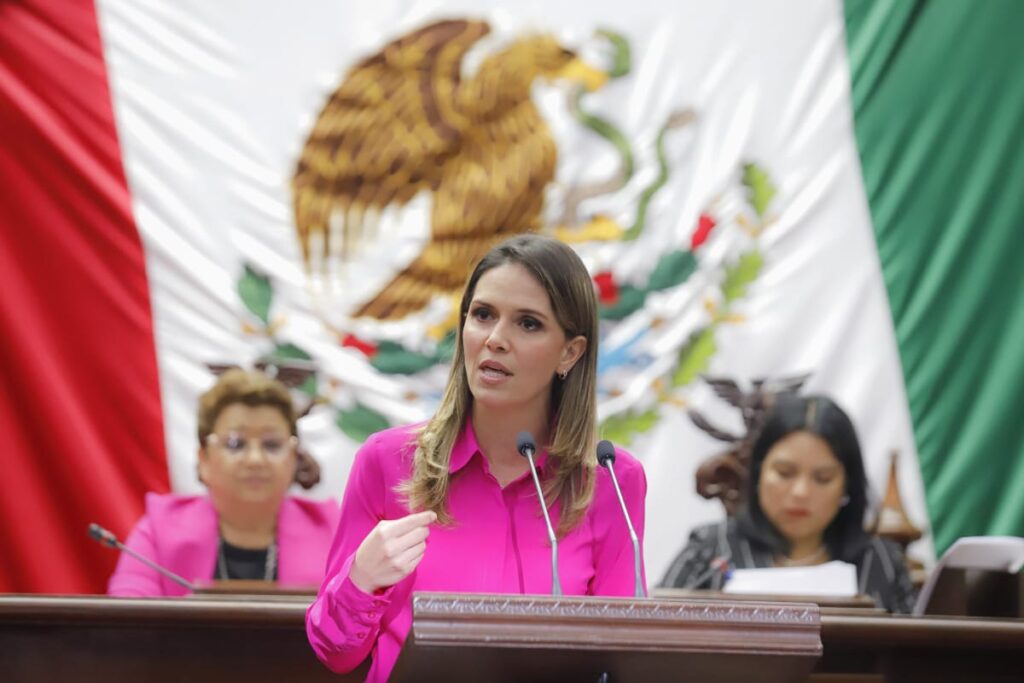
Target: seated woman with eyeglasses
{"x": 805, "y": 506}
{"x": 247, "y": 527}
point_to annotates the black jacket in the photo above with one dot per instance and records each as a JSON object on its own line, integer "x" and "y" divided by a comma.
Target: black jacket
{"x": 881, "y": 571}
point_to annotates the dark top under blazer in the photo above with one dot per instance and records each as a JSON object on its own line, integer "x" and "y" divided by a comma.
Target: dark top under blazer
{"x": 881, "y": 572}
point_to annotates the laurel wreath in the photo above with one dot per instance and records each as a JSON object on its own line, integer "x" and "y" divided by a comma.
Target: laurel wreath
{"x": 695, "y": 355}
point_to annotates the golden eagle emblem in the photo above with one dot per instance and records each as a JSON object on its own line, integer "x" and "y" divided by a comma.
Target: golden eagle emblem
{"x": 404, "y": 121}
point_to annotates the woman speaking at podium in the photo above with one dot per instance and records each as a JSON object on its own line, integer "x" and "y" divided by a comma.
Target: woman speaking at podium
{"x": 247, "y": 527}
{"x": 451, "y": 505}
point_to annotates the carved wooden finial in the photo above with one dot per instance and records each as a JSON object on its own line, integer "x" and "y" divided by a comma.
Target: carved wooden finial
{"x": 892, "y": 522}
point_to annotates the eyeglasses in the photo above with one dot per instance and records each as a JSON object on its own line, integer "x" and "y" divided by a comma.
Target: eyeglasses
{"x": 236, "y": 445}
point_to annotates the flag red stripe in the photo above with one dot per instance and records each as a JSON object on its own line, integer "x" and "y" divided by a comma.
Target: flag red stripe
{"x": 80, "y": 414}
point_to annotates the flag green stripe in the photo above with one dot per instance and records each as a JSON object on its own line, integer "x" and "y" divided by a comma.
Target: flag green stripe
{"x": 938, "y": 103}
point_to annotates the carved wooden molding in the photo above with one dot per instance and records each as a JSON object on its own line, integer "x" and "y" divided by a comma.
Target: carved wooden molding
{"x": 616, "y": 624}
{"x": 461, "y": 604}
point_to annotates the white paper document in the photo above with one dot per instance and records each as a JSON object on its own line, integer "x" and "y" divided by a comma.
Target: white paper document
{"x": 835, "y": 579}
{"x": 995, "y": 553}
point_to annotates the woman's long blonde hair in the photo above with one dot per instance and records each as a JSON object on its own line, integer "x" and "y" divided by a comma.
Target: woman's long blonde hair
{"x": 573, "y": 400}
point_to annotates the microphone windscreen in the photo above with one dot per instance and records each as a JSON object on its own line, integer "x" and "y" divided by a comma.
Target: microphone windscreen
{"x": 525, "y": 443}
{"x": 605, "y": 453}
{"x": 98, "y": 533}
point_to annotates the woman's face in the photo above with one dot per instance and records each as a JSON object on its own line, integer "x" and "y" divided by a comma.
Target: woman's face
{"x": 801, "y": 486}
{"x": 513, "y": 342}
{"x": 250, "y": 457}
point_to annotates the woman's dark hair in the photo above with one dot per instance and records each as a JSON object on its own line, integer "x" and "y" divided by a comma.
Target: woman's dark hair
{"x": 819, "y": 415}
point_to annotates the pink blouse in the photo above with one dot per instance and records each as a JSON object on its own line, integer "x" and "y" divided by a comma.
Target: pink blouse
{"x": 498, "y": 544}
{"x": 180, "y": 533}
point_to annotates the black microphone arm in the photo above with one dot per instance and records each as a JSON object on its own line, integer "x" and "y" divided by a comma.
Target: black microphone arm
{"x": 606, "y": 456}
{"x": 527, "y": 447}
{"x": 718, "y": 571}
{"x": 107, "y": 538}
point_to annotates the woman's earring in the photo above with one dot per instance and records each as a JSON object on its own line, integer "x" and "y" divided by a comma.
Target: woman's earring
{"x": 844, "y": 501}
{"x": 563, "y": 374}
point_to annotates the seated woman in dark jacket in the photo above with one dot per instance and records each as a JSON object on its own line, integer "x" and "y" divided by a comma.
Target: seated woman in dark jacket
{"x": 805, "y": 506}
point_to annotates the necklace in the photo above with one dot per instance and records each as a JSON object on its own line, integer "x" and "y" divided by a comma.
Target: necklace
{"x": 815, "y": 558}
{"x": 269, "y": 566}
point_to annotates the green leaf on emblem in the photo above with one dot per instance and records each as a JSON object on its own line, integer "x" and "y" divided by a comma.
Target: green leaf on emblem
{"x": 740, "y": 274}
{"x": 695, "y": 357}
{"x": 256, "y": 293}
{"x": 309, "y": 387}
{"x": 622, "y": 428}
{"x": 394, "y": 359}
{"x": 360, "y": 422}
{"x": 630, "y": 299}
{"x": 289, "y": 351}
{"x": 760, "y": 190}
{"x": 673, "y": 268}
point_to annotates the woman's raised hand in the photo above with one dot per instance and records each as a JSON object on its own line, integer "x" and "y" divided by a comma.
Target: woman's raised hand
{"x": 391, "y": 551}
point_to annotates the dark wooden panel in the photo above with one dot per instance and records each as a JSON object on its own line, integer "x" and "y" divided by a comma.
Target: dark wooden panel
{"x": 251, "y": 639}
{"x": 923, "y": 649}
{"x": 86, "y": 639}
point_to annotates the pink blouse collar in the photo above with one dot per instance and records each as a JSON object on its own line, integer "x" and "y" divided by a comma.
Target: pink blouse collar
{"x": 466, "y": 446}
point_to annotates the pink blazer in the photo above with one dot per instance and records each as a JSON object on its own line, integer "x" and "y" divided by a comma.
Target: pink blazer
{"x": 180, "y": 533}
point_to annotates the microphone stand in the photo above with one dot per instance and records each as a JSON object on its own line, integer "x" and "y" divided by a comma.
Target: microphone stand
{"x": 606, "y": 456}
{"x": 107, "y": 538}
{"x": 527, "y": 447}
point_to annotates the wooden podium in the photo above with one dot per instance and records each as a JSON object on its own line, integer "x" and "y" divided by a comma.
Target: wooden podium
{"x": 608, "y": 640}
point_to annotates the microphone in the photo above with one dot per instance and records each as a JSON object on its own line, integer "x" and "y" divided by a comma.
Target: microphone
{"x": 718, "y": 570}
{"x": 606, "y": 457}
{"x": 107, "y": 538}
{"x": 527, "y": 447}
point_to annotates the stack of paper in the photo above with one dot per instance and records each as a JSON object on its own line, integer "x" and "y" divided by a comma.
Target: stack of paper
{"x": 836, "y": 579}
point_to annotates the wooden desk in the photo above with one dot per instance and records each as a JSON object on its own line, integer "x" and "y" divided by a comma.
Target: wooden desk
{"x": 906, "y": 649}
{"x": 865, "y": 644}
{"x": 102, "y": 640}
{"x": 77, "y": 638}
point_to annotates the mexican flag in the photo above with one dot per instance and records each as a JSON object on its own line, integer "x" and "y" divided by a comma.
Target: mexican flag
{"x": 768, "y": 195}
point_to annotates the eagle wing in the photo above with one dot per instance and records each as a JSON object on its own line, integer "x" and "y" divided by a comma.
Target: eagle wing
{"x": 726, "y": 389}
{"x": 784, "y": 385}
{"x": 383, "y": 135}
{"x": 711, "y": 430}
